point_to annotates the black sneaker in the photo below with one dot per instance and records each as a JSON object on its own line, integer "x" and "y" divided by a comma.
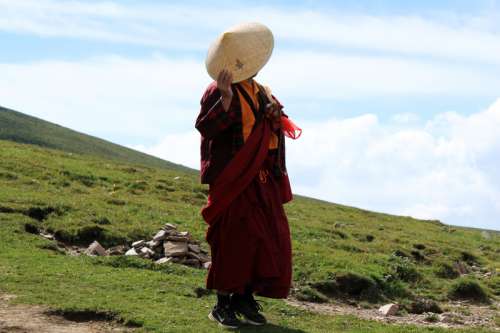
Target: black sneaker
{"x": 225, "y": 316}
{"x": 248, "y": 308}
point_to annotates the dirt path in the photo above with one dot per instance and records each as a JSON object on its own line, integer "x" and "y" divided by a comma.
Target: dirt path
{"x": 31, "y": 319}
{"x": 458, "y": 315}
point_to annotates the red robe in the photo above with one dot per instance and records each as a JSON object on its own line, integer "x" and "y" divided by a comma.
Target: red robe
{"x": 248, "y": 229}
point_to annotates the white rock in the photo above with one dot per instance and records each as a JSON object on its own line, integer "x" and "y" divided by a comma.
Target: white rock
{"x": 389, "y": 309}
{"x": 163, "y": 261}
{"x": 48, "y": 236}
{"x": 175, "y": 249}
{"x": 131, "y": 252}
{"x": 207, "y": 264}
{"x": 139, "y": 243}
{"x": 152, "y": 244}
{"x": 95, "y": 249}
{"x": 170, "y": 226}
{"x": 160, "y": 235}
{"x": 146, "y": 252}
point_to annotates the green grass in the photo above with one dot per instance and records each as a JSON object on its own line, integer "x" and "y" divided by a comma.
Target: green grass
{"x": 82, "y": 197}
{"x": 19, "y": 127}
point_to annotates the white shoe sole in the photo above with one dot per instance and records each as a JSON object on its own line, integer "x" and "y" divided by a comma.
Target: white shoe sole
{"x": 211, "y": 317}
{"x": 248, "y": 321}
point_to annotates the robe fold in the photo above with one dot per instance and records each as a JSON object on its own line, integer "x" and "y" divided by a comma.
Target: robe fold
{"x": 248, "y": 230}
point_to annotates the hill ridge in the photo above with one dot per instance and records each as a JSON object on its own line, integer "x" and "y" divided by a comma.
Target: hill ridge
{"x": 22, "y": 128}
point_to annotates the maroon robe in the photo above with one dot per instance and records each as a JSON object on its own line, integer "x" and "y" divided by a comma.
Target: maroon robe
{"x": 248, "y": 229}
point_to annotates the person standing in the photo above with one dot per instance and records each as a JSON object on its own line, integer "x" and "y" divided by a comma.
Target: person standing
{"x": 243, "y": 131}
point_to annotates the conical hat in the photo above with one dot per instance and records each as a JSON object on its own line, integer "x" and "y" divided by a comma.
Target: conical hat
{"x": 243, "y": 49}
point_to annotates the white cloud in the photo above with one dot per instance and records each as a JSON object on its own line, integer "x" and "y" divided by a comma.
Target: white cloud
{"x": 182, "y": 26}
{"x": 139, "y": 100}
{"x": 108, "y": 96}
{"x": 445, "y": 169}
{"x": 330, "y": 75}
{"x": 183, "y": 148}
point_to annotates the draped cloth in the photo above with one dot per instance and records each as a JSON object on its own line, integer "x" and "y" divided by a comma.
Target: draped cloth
{"x": 248, "y": 229}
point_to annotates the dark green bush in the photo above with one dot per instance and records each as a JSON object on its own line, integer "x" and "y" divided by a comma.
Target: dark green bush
{"x": 422, "y": 305}
{"x": 403, "y": 269}
{"x": 469, "y": 258}
{"x": 447, "y": 271}
{"x": 468, "y": 289}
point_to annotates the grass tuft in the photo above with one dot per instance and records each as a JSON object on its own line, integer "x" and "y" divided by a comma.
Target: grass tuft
{"x": 470, "y": 290}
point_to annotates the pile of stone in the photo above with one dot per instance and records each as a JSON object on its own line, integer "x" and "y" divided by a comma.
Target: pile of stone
{"x": 171, "y": 246}
{"x": 168, "y": 246}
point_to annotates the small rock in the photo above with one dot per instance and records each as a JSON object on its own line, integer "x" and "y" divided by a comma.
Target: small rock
{"x": 193, "y": 255}
{"x": 175, "y": 249}
{"x": 178, "y": 260}
{"x": 389, "y": 309}
{"x": 169, "y": 226}
{"x": 177, "y": 178}
{"x": 177, "y": 239}
{"x": 204, "y": 258}
{"x": 194, "y": 248}
{"x": 160, "y": 235}
{"x": 163, "y": 261}
{"x": 47, "y": 236}
{"x": 131, "y": 252}
{"x": 138, "y": 244}
{"x": 117, "y": 250}
{"x": 152, "y": 244}
{"x": 146, "y": 252}
{"x": 192, "y": 262}
{"x": 95, "y": 249}
{"x": 207, "y": 264}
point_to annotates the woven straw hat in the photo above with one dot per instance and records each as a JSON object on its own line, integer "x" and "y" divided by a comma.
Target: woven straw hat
{"x": 243, "y": 49}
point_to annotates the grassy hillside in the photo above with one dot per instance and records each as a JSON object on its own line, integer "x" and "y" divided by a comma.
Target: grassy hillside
{"x": 19, "y": 127}
{"x": 339, "y": 252}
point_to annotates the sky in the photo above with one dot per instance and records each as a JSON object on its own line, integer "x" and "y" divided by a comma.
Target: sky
{"x": 399, "y": 101}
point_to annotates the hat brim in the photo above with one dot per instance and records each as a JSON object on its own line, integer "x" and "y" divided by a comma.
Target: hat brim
{"x": 243, "y": 50}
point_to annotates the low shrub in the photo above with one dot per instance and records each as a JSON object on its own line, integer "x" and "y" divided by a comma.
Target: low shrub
{"x": 350, "y": 285}
{"x": 422, "y": 305}
{"x": 446, "y": 271}
{"x": 468, "y": 289}
{"x": 403, "y": 269}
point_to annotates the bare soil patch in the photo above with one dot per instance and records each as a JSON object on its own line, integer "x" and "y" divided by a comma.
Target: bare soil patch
{"x": 457, "y": 314}
{"x": 28, "y": 319}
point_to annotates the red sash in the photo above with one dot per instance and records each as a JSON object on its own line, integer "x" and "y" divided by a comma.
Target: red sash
{"x": 238, "y": 173}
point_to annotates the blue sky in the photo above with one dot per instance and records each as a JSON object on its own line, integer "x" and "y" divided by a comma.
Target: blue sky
{"x": 398, "y": 99}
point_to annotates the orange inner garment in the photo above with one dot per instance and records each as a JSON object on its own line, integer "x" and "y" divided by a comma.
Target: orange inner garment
{"x": 247, "y": 117}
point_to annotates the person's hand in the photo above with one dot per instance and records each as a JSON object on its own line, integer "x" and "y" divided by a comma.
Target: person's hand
{"x": 273, "y": 112}
{"x": 224, "y": 81}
